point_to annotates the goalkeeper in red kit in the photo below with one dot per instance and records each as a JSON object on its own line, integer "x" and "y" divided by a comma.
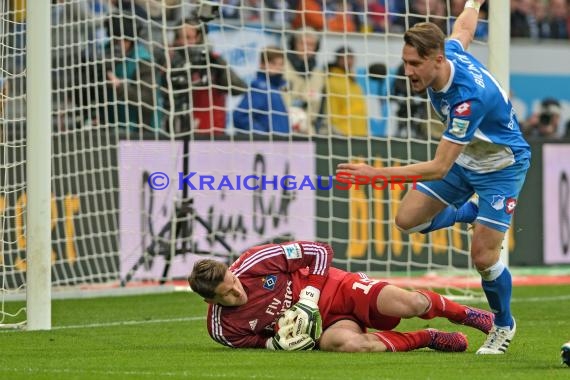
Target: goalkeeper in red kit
{"x": 288, "y": 297}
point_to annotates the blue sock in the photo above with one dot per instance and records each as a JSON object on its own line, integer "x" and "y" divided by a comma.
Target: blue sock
{"x": 467, "y": 213}
{"x": 450, "y": 215}
{"x": 445, "y": 218}
{"x": 498, "y": 294}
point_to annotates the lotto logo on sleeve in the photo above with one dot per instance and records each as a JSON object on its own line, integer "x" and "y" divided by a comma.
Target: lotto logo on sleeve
{"x": 464, "y": 109}
{"x": 292, "y": 251}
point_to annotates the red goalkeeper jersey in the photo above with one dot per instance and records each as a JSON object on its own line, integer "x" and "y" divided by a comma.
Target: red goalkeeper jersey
{"x": 272, "y": 276}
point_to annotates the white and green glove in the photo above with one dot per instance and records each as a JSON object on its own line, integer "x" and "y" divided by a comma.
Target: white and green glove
{"x": 305, "y": 314}
{"x": 286, "y": 341}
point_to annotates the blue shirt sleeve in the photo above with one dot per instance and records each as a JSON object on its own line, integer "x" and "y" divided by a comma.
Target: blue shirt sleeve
{"x": 453, "y": 46}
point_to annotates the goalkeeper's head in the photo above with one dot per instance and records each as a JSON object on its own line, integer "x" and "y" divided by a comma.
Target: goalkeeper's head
{"x": 213, "y": 281}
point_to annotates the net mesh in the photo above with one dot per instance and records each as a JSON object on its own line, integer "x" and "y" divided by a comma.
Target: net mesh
{"x": 12, "y": 165}
{"x": 179, "y": 87}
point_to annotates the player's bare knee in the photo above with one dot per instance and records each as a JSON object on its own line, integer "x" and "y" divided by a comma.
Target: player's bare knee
{"x": 403, "y": 223}
{"x": 339, "y": 345}
{"x": 479, "y": 262}
{"x": 483, "y": 257}
{"x": 345, "y": 340}
{"x": 410, "y": 226}
{"x": 352, "y": 345}
{"x": 420, "y": 303}
{"x": 413, "y": 304}
{"x": 363, "y": 343}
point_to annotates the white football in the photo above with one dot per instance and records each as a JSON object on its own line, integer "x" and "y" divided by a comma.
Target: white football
{"x": 565, "y": 353}
{"x": 291, "y": 324}
{"x": 301, "y": 325}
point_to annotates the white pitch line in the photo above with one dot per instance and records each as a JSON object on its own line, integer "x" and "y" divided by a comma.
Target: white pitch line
{"x": 190, "y": 319}
{"x": 118, "y": 323}
{"x": 541, "y": 299}
{"x": 128, "y": 323}
{"x": 153, "y": 375}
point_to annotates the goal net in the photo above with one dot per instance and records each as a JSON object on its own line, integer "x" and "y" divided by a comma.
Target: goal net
{"x": 171, "y": 141}
{"x": 12, "y": 164}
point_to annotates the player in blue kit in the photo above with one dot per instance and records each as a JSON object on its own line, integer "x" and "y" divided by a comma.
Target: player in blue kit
{"x": 482, "y": 151}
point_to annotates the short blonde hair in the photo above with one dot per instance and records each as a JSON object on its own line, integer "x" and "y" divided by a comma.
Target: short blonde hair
{"x": 206, "y": 275}
{"x": 426, "y": 38}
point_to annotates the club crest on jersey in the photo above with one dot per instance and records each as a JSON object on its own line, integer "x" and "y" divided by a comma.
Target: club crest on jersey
{"x": 510, "y": 205}
{"x": 464, "y": 109}
{"x": 498, "y": 202}
{"x": 269, "y": 282}
{"x": 444, "y": 107}
{"x": 292, "y": 251}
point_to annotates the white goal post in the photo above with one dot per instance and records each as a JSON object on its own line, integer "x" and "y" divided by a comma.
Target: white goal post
{"x": 98, "y": 196}
{"x": 499, "y": 63}
{"x": 38, "y": 167}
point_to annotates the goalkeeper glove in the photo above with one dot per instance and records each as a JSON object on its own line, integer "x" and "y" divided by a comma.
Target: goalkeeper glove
{"x": 284, "y": 340}
{"x": 306, "y": 315}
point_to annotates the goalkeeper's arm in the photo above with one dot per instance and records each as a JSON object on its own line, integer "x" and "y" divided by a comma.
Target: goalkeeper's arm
{"x": 305, "y": 314}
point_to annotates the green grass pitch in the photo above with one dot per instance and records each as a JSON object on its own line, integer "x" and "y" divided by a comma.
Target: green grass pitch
{"x": 164, "y": 336}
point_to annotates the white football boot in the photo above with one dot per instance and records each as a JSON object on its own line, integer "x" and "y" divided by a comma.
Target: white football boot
{"x": 498, "y": 340}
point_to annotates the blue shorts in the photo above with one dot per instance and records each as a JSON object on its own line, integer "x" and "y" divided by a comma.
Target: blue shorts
{"x": 497, "y": 191}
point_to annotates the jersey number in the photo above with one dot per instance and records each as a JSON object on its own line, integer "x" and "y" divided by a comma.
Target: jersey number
{"x": 365, "y": 285}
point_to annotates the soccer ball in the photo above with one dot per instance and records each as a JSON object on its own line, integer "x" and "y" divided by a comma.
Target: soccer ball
{"x": 565, "y": 353}
{"x": 290, "y": 325}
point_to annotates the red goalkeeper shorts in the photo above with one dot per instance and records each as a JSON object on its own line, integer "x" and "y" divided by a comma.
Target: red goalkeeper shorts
{"x": 352, "y": 296}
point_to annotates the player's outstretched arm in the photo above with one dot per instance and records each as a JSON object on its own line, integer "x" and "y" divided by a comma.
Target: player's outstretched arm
{"x": 464, "y": 28}
{"x": 446, "y": 154}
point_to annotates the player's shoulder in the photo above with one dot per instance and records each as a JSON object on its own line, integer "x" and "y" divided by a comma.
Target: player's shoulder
{"x": 453, "y": 45}
{"x": 454, "y": 51}
{"x": 467, "y": 84}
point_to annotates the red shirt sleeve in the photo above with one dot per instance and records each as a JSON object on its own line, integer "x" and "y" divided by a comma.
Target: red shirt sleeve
{"x": 287, "y": 258}
{"x": 319, "y": 267}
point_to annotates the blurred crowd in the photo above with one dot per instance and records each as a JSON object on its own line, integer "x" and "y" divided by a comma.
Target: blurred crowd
{"x": 537, "y": 19}
{"x": 147, "y": 66}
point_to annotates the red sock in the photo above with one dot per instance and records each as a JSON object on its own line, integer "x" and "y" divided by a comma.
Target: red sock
{"x": 442, "y": 307}
{"x": 399, "y": 342}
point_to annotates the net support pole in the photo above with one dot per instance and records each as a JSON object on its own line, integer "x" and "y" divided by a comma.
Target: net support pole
{"x": 38, "y": 166}
{"x": 499, "y": 64}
